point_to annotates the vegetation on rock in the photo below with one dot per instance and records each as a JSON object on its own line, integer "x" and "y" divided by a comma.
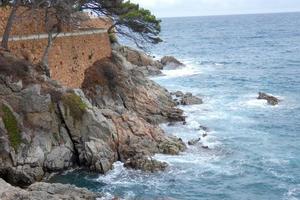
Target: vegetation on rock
{"x": 12, "y": 128}
{"x": 75, "y": 104}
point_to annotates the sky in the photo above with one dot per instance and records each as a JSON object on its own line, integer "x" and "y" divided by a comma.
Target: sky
{"x": 178, "y": 8}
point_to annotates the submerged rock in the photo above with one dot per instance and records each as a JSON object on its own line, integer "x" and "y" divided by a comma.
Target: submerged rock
{"x": 204, "y": 128}
{"x": 270, "y": 99}
{"x": 193, "y": 142}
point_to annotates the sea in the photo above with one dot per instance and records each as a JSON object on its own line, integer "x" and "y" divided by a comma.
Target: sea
{"x": 253, "y": 148}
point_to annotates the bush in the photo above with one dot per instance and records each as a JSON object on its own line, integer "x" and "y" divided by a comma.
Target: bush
{"x": 75, "y": 104}
{"x": 11, "y": 125}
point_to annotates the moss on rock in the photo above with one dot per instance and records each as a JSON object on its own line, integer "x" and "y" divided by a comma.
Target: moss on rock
{"x": 75, "y": 104}
{"x": 11, "y": 125}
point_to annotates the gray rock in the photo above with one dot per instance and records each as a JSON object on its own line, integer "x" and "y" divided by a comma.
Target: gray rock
{"x": 171, "y": 62}
{"x": 59, "y": 158}
{"x": 45, "y": 191}
{"x": 186, "y": 99}
{"x": 270, "y": 99}
{"x": 145, "y": 164}
{"x": 193, "y": 142}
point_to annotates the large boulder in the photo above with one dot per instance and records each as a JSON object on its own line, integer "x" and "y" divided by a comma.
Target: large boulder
{"x": 113, "y": 83}
{"x": 186, "y": 99}
{"x": 270, "y": 99}
{"x": 45, "y": 191}
{"x": 142, "y": 62}
{"x": 145, "y": 163}
{"x": 171, "y": 62}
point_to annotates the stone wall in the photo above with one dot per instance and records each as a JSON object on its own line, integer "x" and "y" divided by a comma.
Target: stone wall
{"x": 69, "y": 56}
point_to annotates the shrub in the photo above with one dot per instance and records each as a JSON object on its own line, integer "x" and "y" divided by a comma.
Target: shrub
{"x": 11, "y": 125}
{"x": 75, "y": 104}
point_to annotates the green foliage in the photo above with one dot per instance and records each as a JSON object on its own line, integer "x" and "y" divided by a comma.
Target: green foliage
{"x": 75, "y": 104}
{"x": 11, "y": 125}
{"x": 113, "y": 38}
{"x": 129, "y": 19}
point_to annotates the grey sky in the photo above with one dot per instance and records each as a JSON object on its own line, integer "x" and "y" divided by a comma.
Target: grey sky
{"x": 171, "y": 8}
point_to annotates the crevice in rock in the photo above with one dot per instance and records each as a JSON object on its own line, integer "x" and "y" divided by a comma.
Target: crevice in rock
{"x": 63, "y": 122}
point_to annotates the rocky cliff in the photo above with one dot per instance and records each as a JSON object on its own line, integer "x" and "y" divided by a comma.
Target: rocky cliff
{"x": 46, "y": 127}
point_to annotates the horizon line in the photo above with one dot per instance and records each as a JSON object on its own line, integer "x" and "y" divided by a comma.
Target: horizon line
{"x": 234, "y": 14}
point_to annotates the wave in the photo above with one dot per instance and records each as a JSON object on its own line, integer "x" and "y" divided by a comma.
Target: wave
{"x": 188, "y": 70}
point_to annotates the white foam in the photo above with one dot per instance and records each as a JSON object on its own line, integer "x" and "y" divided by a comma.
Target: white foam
{"x": 257, "y": 103}
{"x": 293, "y": 193}
{"x": 188, "y": 70}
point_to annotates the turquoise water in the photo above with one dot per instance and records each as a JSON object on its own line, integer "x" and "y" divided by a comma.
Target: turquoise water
{"x": 254, "y": 149}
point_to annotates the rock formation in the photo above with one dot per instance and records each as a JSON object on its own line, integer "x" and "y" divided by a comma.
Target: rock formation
{"x": 44, "y": 191}
{"x": 171, "y": 62}
{"x": 270, "y": 99}
{"x": 144, "y": 63}
{"x": 45, "y": 127}
{"x": 186, "y": 99}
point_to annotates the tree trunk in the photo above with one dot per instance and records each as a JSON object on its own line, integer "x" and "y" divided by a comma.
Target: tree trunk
{"x": 45, "y": 58}
{"x": 9, "y": 24}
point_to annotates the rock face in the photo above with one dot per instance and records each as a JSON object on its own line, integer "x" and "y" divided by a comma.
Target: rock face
{"x": 145, "y": 164}
{"x": 171, "y": 62}
{"x": 270, "y": 99}
{"x": 186, "y": 99}
{"x": 142, "y": 62}
{"x": 45, "y": 127}
{"x": 44, "y": 191}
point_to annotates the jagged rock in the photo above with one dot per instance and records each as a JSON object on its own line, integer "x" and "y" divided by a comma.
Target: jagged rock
{"x": 173, "y": 146}
{"x": 186, "y": 99}
{"x": 45, "y": 127}
{"x": 171, "y": 62}
{"x": 178, "y": 94}
{"x": 45, "y": 191}
{"x": 144, "y": 63}
{"x": 191, "y": 100}
{"x": 270, "y": 99}
{"x": 111, "y": 85}
{"x": 145, "y": 164}
{"x": 193, "y": 142}
{"x": 59, "y": 158}
{"x": 204, "y": 128}
{"x": 91, "y": 132}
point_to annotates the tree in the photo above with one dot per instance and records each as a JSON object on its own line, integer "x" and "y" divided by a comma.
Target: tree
{"x": 10, "y": 22}
{"x": 128, "y": 19}
{"x": 56, "y": 14}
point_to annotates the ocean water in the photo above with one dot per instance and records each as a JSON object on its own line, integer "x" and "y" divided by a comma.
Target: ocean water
{"x": 254, "y": 148}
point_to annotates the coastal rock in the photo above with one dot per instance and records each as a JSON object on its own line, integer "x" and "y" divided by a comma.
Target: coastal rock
{"x": 173, "y": 146}
{"x": 142, "y": 62}
{"x": 113, "y": 84}
{"x": 171, "y": 62}
{"x": 186, "y": 99}
{"x": 193, "y": 142}
{"x": 145, "y": 164}
{"x": 90, "y": 131}
{"x": 204, "y": 128}
{"x": 270, "y": 99}
{"x": 45, "y": 127}
{"x": 45, "y": 191}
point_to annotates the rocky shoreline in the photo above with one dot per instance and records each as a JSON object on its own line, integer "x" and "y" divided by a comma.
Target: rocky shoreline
{"x": 46, "y": 127}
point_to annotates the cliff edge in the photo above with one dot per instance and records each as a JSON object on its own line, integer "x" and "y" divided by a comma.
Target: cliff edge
{"x": 46, "y": 127}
